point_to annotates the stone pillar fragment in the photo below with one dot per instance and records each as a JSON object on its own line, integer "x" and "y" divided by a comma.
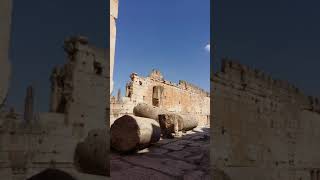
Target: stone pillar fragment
{"x": 130, "y": 133}
{"x": 113, "y": 33}
{"x": 28, "y": 105}
{"x": 173, "y": 123}
{"x": 148, "y": 111}
{"x": 5, "y": 26}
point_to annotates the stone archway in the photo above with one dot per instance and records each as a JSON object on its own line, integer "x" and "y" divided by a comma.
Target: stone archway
{"x": 52, "y": 174}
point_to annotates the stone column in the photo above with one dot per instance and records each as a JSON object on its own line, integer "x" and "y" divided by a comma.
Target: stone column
{"x": 5, "y": 23}
{"x": 28, "y": 105}
{"x": 113, "y": 33}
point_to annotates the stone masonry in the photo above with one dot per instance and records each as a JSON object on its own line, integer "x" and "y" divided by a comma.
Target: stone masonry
{"x": 41, "y": 142}
{"x": 263, "y": 128}
{"x": 183, "y": 97}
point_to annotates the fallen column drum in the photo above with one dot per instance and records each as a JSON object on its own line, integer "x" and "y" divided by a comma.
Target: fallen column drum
{"x": 130, "y": 133}
{"x": 92, "y": 155}
{"x": 148, "y": 111}
{"x": 173, "y": 122}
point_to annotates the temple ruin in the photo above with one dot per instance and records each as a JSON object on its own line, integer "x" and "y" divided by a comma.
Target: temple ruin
{"x": 263, "y": 128}
{"x": 182, "y": 97}
{"x": 71, "y": 137}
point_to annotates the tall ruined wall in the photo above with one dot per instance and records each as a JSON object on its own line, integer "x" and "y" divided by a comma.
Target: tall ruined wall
{"x": 262, "y": 128}
{"x": 34, "y": 142}
{"x": 113, "y": 33}
{"x": 5, "y": 24}
{"x": 79, "y": 88}
{"x": 183, "y": 97}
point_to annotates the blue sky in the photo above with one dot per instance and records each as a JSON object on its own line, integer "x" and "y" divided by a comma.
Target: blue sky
{"x": 167, "y": 35}
{"x": 279, "y": 37}
{"x": 38, "y": 32}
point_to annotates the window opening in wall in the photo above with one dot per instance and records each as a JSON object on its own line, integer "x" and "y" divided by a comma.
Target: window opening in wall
{"x": 97, "y": 68}
{"x": 157, "y": 95}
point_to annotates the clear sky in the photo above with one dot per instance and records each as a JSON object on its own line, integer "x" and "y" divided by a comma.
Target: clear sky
{"x": 39, "y": 28}
{"x": 168, "y": 35}
{"x": 278, "y": 37}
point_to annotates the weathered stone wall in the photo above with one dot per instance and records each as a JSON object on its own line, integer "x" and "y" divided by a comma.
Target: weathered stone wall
{"x": 34, "y": 142}
{"x": 183, "y": 97}
{"x": 79, "y": 88}
{"x": 5, "y": 24}
{"x": 262, "y": 128}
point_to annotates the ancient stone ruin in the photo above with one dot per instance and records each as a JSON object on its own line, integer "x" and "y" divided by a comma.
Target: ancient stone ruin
{"x": 263, "y": 128}
{"x": 71, "y": 138}
{"x": 154, "y": 107}
{"x": 183, "y": 98}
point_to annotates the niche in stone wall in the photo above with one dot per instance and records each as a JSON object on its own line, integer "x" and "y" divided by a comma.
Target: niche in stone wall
{"x": 157, "y": 95}
{"x": 97, "y": 68}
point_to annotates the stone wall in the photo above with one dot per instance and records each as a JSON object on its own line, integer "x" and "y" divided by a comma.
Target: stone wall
{"x": 183, "y": 97}
{"x": 5, "y": 24}
{"x": 262, "y": 128}
{"x": 79, "y": 87}
{"x": 35, "y": 142}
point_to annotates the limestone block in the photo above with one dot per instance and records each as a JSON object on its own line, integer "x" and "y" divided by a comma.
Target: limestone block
{"x": 148, "y": 111}
{"x": 129, "y": 133}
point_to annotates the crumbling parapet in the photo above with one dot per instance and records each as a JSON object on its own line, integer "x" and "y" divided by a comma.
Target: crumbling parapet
{"x": 156, "y": 75}
{"x": 79, "y": 88}
{"x": 245, "y": 78}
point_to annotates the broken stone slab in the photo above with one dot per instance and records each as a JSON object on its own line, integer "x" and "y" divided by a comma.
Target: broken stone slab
{"x": 173, "y": 123}
{"x": 148, "y": 111}
{"x": 131, "y": 133}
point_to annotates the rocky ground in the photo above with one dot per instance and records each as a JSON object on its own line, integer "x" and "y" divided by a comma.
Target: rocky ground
{"x": 185, "y": 158}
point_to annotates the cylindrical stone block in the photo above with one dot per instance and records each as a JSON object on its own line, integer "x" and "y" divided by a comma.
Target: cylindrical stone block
{"x": 173, "y": 122}
{"x": 92, "y": 155}
{"x": 148, "y": 111}
{"x": 130, "y": 133}
{"x": 189, "y": 122}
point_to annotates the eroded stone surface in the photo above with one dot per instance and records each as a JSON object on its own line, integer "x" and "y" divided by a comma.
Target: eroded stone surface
{"x": 183, "y": 98}
{"x": 34, "y": 142}
{"x": 263, "y": 128}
